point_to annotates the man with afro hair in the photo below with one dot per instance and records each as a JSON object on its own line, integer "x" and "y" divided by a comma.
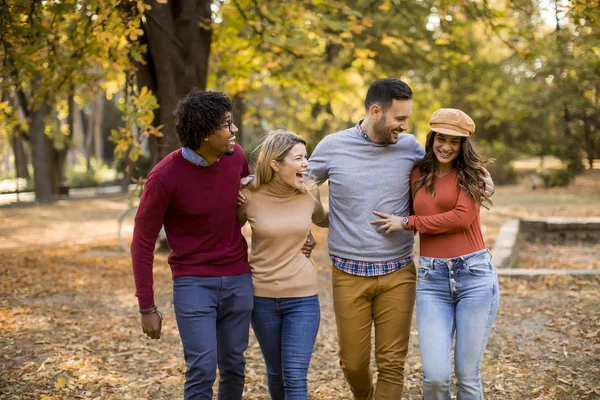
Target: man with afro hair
{"x": 192, "y": 192}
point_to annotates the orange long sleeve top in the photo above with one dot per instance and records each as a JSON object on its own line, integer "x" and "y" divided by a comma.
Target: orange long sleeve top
{"x": 448, "y": 222}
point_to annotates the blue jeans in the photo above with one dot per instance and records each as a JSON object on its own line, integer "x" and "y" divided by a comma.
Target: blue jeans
{"x": 455, "y": 295}
{"x": 213, "y": 317}
{"x": 286, "y": 329}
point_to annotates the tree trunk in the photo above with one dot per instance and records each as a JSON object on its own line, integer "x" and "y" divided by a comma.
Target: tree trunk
{"x": 77, "y": 129}
{"x": 39, "y": 148}
{"x": 573, "y": 154}
{"x": 20, "y": 156}
{"x": 60, "y": 155}
{"x": 178, "y": 36}
{"x": 590, "y": 145}
{"x": 53, "y": 165}
{"x": 97, "y": 117}
{"x": 239, "y": 108}
{"x": 89, "y": 143}
{"x": 16, "y": 140}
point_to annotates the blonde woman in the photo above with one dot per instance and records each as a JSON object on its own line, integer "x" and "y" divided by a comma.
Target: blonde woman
{"x": 280, "y": 205}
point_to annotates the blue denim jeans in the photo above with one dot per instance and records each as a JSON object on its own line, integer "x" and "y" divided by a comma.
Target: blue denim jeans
{"x": 455, "y": 296}
{"x": 213, "y": 317}
{"x": 286, "y": 329}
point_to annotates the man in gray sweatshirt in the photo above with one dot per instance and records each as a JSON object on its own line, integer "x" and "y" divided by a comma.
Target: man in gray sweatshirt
{"x": 374, "y": 280}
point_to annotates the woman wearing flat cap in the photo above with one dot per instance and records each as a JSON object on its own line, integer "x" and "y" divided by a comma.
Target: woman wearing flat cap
{"x": 457, "y": 285}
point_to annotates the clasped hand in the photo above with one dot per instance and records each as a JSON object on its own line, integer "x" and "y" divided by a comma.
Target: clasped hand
{"x": 391, "y": 222}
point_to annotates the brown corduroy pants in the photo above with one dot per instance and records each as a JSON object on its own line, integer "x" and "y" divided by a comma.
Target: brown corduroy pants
{"x": 388, "y": 302}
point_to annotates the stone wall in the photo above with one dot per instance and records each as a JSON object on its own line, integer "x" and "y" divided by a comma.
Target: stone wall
{"x": 560, "y": 230}
{"x": 546, "y": 230}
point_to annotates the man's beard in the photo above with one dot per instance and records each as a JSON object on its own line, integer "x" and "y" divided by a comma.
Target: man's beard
{"x": 381, "y": 133}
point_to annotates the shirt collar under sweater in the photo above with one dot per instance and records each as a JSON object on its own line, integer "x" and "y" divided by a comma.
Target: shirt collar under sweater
{"x": 194, "y": 157}
{"x": 361, "y": 132}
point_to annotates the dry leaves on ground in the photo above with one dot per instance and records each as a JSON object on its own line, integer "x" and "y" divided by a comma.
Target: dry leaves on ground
{"x": 69, "y": 326}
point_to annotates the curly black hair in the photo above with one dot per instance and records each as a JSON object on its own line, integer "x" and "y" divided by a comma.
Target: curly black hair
{"x": 198, "y": 115}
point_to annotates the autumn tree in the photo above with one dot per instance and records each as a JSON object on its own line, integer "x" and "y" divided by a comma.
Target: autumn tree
{"x": 52, "y": 53}
{"x": 177, "y": 35}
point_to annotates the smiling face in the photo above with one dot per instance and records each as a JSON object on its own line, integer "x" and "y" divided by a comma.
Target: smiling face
{"x": 446, "y": 148}
{"x": 390, "y": 124}
{"x": 291, "y": 170}
{"x": 222, "y": 141}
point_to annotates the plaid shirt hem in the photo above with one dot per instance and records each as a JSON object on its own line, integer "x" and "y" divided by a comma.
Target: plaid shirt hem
{"x": 361, "y": 268}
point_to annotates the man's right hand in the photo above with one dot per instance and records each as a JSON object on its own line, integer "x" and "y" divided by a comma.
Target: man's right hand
{"x": 243, "y": 183}
{"x": 151, "y": 325}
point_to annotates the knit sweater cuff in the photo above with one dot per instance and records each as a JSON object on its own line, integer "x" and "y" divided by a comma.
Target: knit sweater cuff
{"x": 146, "y": 300}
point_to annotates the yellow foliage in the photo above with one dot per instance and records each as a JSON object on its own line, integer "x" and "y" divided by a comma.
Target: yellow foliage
{"x": 386, "y": 5}
{"x": 61, "y": 383}
{"x": 5, "y": 107}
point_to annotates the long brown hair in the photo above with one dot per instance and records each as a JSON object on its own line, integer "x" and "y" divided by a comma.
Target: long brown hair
{"x": 468, "y": 165}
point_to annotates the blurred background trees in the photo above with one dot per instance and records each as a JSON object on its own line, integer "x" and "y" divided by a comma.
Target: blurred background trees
{"x": 88, "y": 88}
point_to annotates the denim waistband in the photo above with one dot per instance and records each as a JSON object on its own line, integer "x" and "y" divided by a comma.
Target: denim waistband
{"x": 462, "y": 258}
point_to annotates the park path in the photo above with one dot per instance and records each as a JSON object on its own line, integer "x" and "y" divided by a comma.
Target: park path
{"x": 64, "y": 223}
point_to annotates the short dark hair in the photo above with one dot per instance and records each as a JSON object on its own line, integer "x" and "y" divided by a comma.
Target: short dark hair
{"x": 198, "y": 115}
{"x": 384, "y": 91}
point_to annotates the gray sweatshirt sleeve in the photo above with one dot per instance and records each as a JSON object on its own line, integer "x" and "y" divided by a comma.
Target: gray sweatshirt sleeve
{"x": 317, "y": 164}
{"x": 420, "y": 151}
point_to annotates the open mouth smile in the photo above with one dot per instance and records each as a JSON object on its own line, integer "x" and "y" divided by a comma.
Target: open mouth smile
{"x": 300, "y": 176}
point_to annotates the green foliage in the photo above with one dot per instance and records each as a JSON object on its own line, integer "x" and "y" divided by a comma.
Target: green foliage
{"x": 81, "y": 179}
{"x": 79, "y": 176}
{"x": 61, "y": 53}
{"x": 54, "y": 46}
{"x": 557, "y": 177}
{"x": 138, "y": 114}
{"x": 501, "y": 170}
{"x": 135, "y": 171}
{"x": 305, "y": 66}
{"x": 11, "y": 185}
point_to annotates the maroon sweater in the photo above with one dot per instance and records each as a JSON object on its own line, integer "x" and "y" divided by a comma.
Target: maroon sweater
{"x": 197, "y": 206}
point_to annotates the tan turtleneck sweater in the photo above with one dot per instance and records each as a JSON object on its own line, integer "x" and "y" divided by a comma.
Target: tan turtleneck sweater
{"x": 280, "y": 218}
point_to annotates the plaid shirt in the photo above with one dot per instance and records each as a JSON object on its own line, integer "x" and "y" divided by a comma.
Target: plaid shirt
{"x": 361, "y": 132}
{"x": 361, "y": 268}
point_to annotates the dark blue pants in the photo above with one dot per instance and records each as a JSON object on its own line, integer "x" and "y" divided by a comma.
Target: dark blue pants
{"x": 286, "y": 329}
{"x": 213, "y": 317}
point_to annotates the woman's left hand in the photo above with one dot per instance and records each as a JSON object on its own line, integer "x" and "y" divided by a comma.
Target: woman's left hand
{"x": 490, "y": 188}
{"x": 390, "y": 222}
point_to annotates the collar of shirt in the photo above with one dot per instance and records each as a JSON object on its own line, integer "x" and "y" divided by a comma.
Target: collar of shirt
{"x": 361, "y": 132}
{"x": 194, "y": 157}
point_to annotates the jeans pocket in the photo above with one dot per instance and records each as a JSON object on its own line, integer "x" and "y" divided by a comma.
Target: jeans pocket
{"x": 480, "y": 265}
{"x": 425, "y": 267}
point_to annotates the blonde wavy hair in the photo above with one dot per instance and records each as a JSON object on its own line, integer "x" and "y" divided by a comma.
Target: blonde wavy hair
{"x": 275, "y": 147}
